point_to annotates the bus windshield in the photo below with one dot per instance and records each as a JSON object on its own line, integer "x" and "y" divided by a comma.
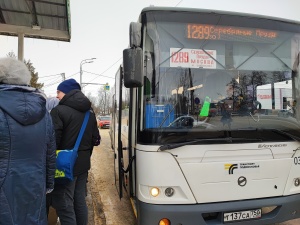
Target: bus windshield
{"x": 215, "y": 75}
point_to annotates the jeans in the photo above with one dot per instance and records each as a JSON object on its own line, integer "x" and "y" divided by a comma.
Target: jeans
{"x": 69, "y": 201}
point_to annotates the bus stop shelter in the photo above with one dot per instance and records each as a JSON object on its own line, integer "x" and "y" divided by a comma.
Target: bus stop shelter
{"x": 39, "y": 19}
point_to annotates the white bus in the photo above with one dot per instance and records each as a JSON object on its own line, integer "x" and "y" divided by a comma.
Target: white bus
{"x": 282, "y": 95}
{"x": 192, "y": 143}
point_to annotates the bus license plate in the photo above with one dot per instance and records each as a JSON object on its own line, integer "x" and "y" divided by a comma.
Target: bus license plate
{"x": 242, "y": 215}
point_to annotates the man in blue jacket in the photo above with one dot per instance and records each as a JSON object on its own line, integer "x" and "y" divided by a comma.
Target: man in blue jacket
{"x": 27, "y": 148}
{"x": 69, "y": 199}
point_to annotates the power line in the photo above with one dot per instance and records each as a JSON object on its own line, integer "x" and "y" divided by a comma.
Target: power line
{"x": 57, "y": 82}
{"x": 50, "y": 75}
{"x": 107, "y": 69}
{"x": 98, "y": 74}
{"x": 113, "y": 63}
{"x": 73, "y": 75}
{"x": 52, "y": 83}
{"x": 47, "y": 80}
{"x": 178, "y": 3}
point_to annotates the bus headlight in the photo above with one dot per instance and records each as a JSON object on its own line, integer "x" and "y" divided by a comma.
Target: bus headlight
{"x": 164, "y": 221}
{"x": 154, "y": 191}
{"x": 169, "y": 192}
{"x": 297, "y": 182}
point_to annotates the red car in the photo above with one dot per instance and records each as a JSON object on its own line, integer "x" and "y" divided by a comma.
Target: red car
{"x": 104, "y": 121}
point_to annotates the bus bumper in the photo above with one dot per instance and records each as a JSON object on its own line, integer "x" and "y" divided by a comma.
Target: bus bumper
{"x": 287, "y": 208}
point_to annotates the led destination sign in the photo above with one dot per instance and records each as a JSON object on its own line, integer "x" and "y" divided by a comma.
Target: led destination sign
{"x": 211, "y": 32}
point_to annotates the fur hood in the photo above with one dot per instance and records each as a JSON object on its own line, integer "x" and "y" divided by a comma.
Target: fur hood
{"x": 13, "y": 71}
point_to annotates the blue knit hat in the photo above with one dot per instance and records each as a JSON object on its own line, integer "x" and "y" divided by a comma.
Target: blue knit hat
{"x": 68, "y": 85}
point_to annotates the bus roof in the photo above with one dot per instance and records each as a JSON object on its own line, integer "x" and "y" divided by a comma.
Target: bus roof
{"x": 181, "y": 9}
{"x": 278, "y": 85}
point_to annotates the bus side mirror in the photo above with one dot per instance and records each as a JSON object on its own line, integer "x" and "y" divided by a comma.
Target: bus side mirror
{"x": 133, "y": 67}
{"x": 135, "y": 34}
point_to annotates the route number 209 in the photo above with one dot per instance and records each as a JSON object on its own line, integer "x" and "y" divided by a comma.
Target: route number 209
{"x": 297, "y": 160}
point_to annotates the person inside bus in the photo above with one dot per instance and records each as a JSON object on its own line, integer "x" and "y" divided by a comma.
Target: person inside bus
{"x": 69, "y": 198}
{"x": 256, "y": 106}
{"x": 226, "y": 114}
{"x": 227, "y": 106}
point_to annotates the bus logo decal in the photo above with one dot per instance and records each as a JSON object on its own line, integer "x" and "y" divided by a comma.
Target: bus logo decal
{"x": 246, "y": 167}
{"x": 231, "y": 167}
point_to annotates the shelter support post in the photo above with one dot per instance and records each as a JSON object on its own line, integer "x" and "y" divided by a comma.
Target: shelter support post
{"x": 21, "y": 46}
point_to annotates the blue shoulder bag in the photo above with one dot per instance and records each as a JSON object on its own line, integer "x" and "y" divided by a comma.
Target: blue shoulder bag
{"x": 65, "y": 159}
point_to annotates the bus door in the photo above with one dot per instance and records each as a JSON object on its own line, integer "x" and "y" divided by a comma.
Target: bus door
{"x": 118, "y": 154}
{"x": 123, "y": 154}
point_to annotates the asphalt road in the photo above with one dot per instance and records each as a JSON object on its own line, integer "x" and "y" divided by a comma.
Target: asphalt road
{"x": 105, "y": 207}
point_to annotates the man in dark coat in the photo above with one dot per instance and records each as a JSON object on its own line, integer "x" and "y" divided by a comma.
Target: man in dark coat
{"x": 27, "y": 148}
{"x": 69, "y": 199}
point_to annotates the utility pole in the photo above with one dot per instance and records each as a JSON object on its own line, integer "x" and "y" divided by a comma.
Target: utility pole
{"x": 63, "y": 75}
{"x": 105, "y": 103}
{"x": 106, "y": 88}
{"x": 81, "y": 63}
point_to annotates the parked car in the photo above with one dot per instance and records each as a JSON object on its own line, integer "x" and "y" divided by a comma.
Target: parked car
{"x": 104, "y": 121}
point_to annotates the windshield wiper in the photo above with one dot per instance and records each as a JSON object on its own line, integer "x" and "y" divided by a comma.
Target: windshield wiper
{"x": 228, "y": 139}
{"x": 165, "y": 118}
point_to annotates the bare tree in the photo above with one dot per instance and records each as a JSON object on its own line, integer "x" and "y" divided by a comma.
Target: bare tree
{"x": 93, "y": 100}
{"x": 104, "y": 101}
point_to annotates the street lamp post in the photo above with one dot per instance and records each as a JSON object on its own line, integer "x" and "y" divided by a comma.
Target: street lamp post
{"x": 81, "y": 63}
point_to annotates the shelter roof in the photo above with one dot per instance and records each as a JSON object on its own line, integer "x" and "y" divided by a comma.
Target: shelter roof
{"x": 40, "y": 19}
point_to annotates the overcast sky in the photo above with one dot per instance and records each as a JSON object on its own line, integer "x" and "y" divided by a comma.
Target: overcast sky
{"x": 100, "y": 29}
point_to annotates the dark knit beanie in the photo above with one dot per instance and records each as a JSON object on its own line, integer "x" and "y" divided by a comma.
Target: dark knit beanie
{"x": 68, "y": 85}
